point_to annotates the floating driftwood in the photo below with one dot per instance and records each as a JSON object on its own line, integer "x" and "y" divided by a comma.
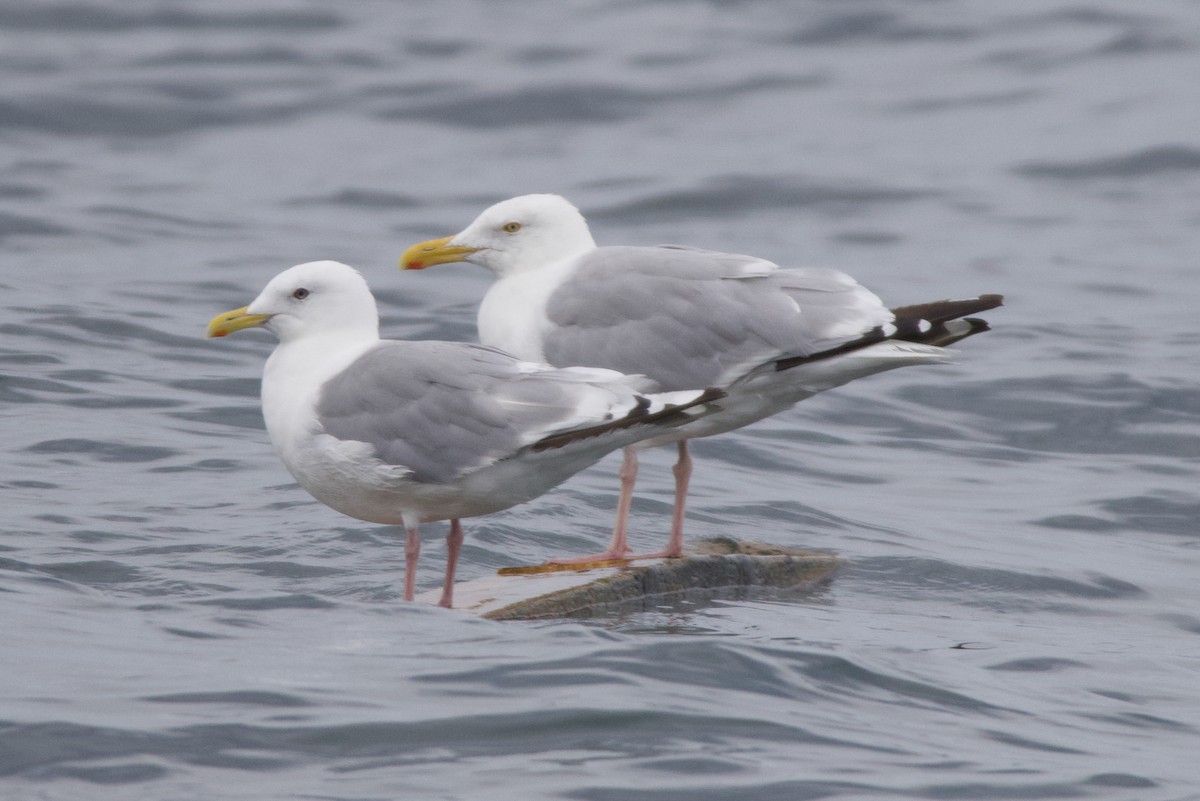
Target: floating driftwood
{"x": 716, "y": 568}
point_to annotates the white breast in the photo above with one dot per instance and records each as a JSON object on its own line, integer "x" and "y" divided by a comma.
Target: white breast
{"x": 512, "y": 316}
{"x": 292, "y": 382}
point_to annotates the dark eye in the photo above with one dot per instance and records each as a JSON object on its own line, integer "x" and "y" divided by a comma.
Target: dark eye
{"x": 300, "y": 294}
{"x": 511, "y": 227}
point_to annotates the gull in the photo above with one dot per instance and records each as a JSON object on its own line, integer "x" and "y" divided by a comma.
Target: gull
{"x": 404, "y": 433}
{"x": 684, "y": 317}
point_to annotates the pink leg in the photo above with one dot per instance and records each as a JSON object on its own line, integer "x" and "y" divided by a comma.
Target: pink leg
{"x": 412, "y": 551}
{"x": 683, "y": 475}
{"x": 454, "y": 541}
{"x": 618, "y": 546}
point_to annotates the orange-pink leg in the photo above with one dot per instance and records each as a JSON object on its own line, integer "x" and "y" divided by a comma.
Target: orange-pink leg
{"x": 412, "y": 552}
{"x": 454, "y": 541}
{"x": 618, "y": 546}
{"x": 683, "y": 475}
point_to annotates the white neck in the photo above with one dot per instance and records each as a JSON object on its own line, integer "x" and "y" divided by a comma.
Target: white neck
{"x": 512, "y": 316}
{"x": 307, "y": 363}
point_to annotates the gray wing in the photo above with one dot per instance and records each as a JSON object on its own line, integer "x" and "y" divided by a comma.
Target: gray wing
{"x": 693, "y": 318}
{"x": 442, "y": 409}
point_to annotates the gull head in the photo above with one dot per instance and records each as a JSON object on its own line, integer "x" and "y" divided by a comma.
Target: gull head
{"x": 320, "y": 297}
{"x": 524, "y": 233}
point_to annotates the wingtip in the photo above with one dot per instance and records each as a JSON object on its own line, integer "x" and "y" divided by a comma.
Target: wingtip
{"x": 711, "y": 394}
{"x": 994, "y": 301}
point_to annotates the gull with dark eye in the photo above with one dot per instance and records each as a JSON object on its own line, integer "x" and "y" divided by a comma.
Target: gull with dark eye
{"x": 404, "y": 433}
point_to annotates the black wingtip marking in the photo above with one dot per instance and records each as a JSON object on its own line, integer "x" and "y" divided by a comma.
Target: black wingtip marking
{"x": 941, "y": 311}
{"x": 925, "y": 323}
{"x": 668, "y": 415}
{"x": 935, "y": 323}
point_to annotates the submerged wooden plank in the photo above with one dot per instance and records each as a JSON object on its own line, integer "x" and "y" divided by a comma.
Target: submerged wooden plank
{"x": 716, "y": 568}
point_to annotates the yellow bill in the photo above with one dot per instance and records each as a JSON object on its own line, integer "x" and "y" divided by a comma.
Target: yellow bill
{"x": 435, "y": 251}
{"x": 228, "y": 322}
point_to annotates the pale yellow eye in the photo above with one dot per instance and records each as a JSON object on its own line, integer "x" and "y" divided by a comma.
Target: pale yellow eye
{"x": 511, "y": 227}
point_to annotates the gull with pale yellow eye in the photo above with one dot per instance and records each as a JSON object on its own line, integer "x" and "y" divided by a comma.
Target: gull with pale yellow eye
{"x": 684, "y": 317}
{"x": 404, "y": 433}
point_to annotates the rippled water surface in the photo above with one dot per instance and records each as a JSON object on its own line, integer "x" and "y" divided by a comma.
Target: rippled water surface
{"x": 1018, "y": 616}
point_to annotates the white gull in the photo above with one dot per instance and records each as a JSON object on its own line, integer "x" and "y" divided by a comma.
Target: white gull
{"x": 404, "y": 433}
{"x": 684, "y": 317}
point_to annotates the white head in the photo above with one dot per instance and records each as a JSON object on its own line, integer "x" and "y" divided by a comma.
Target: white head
{"x": 524, "y": 233}
{"x": 319, "y": 297}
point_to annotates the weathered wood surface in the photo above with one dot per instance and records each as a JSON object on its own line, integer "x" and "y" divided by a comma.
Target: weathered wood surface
{"x": 712, "y": 569}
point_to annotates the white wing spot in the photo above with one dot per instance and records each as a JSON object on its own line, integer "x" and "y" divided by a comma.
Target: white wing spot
{"x": 757, "y": 268}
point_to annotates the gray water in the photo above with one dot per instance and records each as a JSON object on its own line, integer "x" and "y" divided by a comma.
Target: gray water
{"x": 1018, "y": 614}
